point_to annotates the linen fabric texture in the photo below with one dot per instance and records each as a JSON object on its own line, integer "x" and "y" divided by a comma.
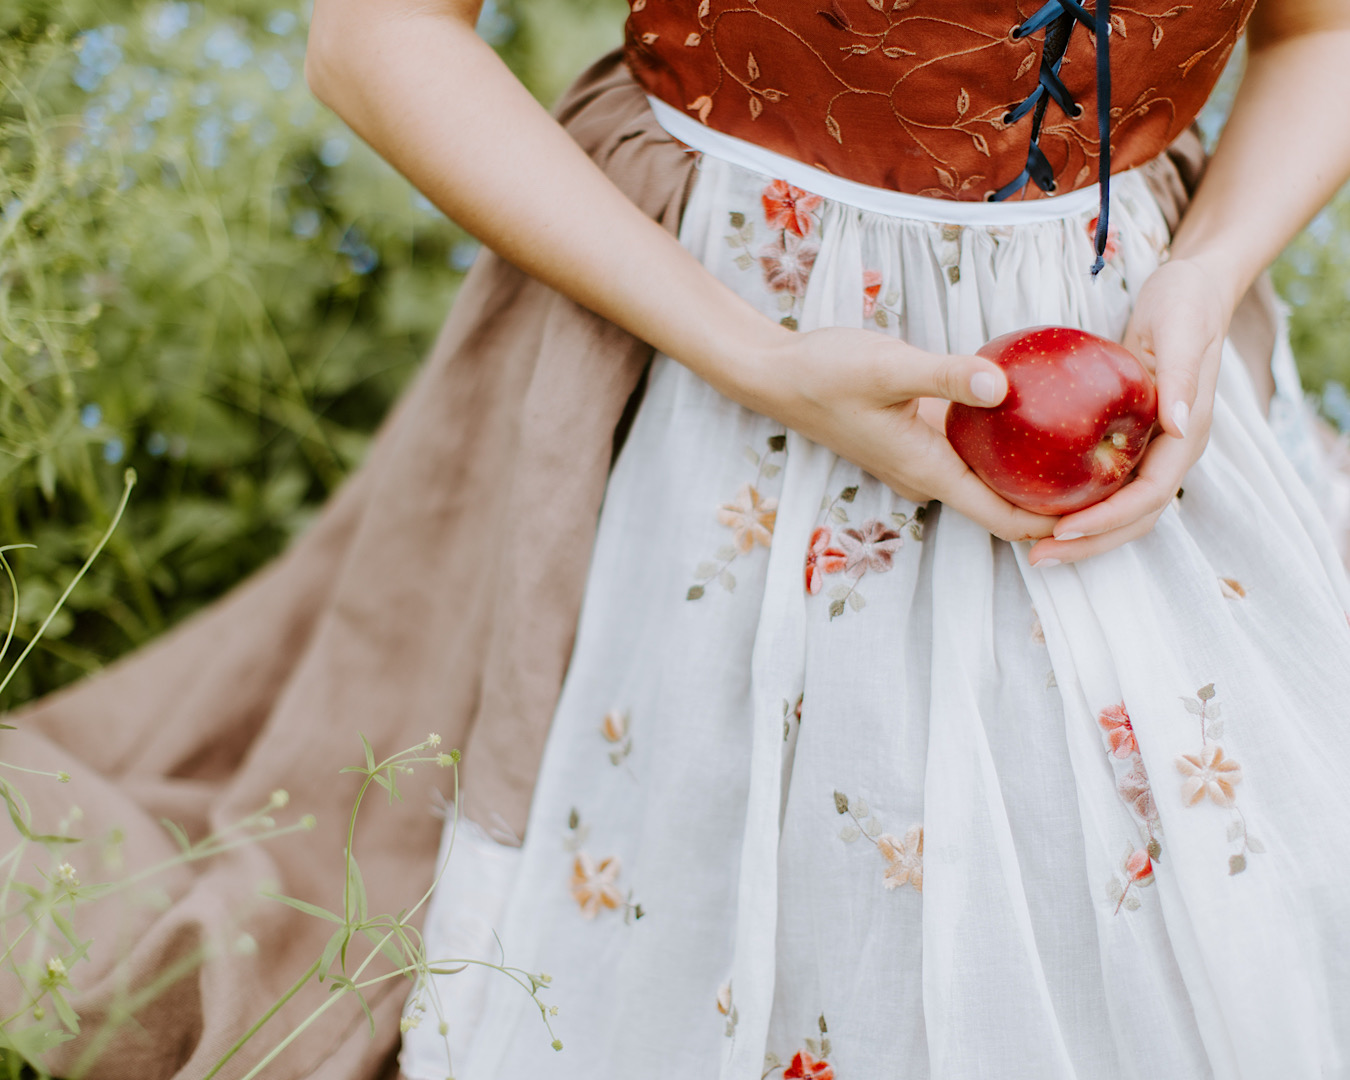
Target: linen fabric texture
{"x": 841, "y": 785}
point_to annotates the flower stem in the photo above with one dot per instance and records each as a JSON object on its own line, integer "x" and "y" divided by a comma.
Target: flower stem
{"x": 129, "y": 481}
{"x": 276, "y": 1006}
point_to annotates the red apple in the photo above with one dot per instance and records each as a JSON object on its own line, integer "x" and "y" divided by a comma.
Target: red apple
{"x": 1079, "y": 412}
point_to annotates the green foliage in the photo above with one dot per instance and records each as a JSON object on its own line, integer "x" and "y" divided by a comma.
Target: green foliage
{"x": 41, "y": 952}
{"x": 1313, "y": 275}
{"x": 205, "y": 275}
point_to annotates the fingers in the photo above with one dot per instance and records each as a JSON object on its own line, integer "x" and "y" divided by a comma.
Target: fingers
{"x": 971, "y": 497}
{"x": 1175, "y": 365}
{"x": 1180, "y": 344}
{"x": 947, "y": 478}
{"x": 1160, "y": 473}
{"x": 1178, "y": 384}
{"x": 1051, "y": 552}
{"x": 972, "y": 380}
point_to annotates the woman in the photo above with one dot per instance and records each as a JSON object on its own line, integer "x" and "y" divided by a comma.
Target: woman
{"x": 858, "y": 766}
{"x": 840, "y": 780}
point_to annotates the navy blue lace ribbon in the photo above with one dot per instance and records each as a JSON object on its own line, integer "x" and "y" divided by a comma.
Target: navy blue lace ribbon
{"x": 1059, "y": 18}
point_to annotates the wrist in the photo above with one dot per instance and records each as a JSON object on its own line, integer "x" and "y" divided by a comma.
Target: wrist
{"x": 750, "y": 362}
{"x": 1221, "y": 273}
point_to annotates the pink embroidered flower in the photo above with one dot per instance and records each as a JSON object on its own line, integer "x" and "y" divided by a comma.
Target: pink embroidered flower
{"x": 1112, "y": 239}
{"x": 1115, "y": 721}
{"x": 1208, "y": 773}
{"x": 904, "y": 859}
{"x": 1134, "y": 789}
{"x": 789, "y": 208}
{"x": 751, "y": 518}
{"x": 1139, "y": 867}
{"x": 872, "y": 547}
{"x": 787, "y": 263}
{"x": 871, "y": 290}
{"x": 593, "y": 884}
{"x": 805, "y": 1067}
{"x": 821, "y": 559}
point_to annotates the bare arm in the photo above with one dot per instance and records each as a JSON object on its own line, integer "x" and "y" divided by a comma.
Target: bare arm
{"x": 413, "y": 79}
{"x": 1284, "y": 152}
{"x": 416, "y": 82}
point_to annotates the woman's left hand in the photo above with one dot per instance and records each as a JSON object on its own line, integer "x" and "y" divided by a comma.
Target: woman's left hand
{"x": 1177, "y": 331}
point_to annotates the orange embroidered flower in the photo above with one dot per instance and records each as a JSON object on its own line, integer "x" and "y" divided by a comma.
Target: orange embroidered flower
{"x": 821, "y": 559}
{"x": 1139, "y": 867}
{"x": 751, "y": 518}
{"x": 872, "y": 547}
{"x": 593, "y": 884}
{"x": 1115, "y": 721}
{"x": 1112, "y": 239}
{"x": 787, "y": 263}
{"x": 789, "y": 208}
{"x": 871, "y": 290}
{"x": 1208, "y": 773}
{"x": 904, "y": 859}
{"x": 614, "y": 727}
{"x": 805, "y": 1067}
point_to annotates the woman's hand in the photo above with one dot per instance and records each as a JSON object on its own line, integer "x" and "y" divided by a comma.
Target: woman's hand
{"x": 1177, "y": 330}
{"x": 1244, "y": 213}
{"x": 857, "y": 392}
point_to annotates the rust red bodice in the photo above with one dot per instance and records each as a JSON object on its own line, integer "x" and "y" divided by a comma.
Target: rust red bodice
{"x": 911, "y": 94}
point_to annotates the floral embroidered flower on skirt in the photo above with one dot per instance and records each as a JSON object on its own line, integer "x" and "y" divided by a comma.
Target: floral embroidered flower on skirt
{"x": 840, "y": 786}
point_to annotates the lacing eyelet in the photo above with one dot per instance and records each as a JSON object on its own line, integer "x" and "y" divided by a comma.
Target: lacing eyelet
{"x": 1077, "y": 112}
{"x": 1016, "y": 32}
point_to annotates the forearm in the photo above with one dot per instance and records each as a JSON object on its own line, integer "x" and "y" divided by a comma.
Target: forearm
{"x": 1285, "y": 150}
{"x": 419, "y": 85}
{"x": 413, "y": 79}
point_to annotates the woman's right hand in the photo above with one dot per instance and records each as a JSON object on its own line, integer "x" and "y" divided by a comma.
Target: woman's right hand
{"x": 414, "y": 79}
{"x": 857, "y": 392}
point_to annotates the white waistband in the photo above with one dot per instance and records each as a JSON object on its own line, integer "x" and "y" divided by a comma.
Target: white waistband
{"x": 876, "y": 200}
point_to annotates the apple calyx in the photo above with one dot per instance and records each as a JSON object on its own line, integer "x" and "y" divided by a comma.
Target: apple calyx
{"x": 1111, "y": 459}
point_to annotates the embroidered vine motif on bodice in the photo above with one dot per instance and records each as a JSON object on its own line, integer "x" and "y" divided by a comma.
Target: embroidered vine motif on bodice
{"x": 911, "y": 95}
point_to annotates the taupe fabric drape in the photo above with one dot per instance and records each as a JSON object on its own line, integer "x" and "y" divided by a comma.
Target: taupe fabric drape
{"x": 438, "y": 592}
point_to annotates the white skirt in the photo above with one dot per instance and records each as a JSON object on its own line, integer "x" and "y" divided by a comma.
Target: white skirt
{"x": 840, "y": 786}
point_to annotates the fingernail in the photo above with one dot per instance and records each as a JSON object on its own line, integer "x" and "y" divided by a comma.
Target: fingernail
{"x": 1069, "y": 536}
{"x": 1181, "y": 415}
{"x": 1046, "y": 562}
{"x": 985, "y": 387}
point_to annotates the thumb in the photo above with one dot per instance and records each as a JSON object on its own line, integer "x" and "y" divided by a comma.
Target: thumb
{"x": 971, "y": 380}
{"x": 1176, "y": 396}
{"x": 1175, "y": 367}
